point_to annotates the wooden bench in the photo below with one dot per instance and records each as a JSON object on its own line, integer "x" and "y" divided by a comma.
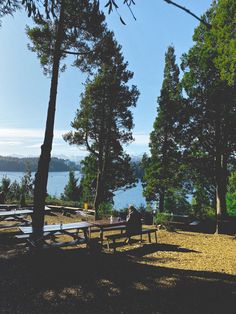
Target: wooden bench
{"x": 114, "y": 237}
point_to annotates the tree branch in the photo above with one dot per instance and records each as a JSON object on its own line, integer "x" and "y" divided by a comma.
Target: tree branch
{"x": 89, "y": 148}
{"x": 76, "y": 53}
{"x": 189, "y": 12}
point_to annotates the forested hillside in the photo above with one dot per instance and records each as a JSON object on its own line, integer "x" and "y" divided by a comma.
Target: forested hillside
{"x": 21, "y": 164}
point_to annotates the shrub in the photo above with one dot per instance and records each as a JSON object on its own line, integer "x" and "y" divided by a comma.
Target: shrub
{"x": 105, "y": 210}
{"x": 163, "y": 219}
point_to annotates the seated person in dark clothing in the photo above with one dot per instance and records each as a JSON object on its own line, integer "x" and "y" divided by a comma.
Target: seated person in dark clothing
{"x": 133, "y": 221}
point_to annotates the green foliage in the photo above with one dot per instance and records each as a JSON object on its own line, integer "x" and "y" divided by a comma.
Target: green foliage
{"x": 14, "y": 192}
{"x": 5, "y": 185}
{"x": 83, "y": 29}
{"x": 88, "y": 180}
{"x": 26, "y": 187}
{"x": 208, "y": 213}
{"x": 103, "y": 124}
{"x": 231, "y": 195}
{"x": 20, "y": 192}
{"x": 27, "y": 184}
{"x": 105, "y": 210}
{"x": 161, "y": 169}
{"x": 71, "y": 190}
{"x": 209, "y": 131}
{"x": 223, "y": 37}
{"x": 163, "y": 219}
{"x": 53, "y": 200}
{"x": 202, "y": 198}
{"x": 176, "y": 202}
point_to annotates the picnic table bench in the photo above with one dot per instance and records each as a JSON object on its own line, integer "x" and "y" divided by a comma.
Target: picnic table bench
{"x": 114, "y": 237}
{"x": 77, "y": 230}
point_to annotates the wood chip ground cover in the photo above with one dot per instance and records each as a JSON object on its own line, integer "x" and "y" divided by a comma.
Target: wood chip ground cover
{"x": 185, "y": 272}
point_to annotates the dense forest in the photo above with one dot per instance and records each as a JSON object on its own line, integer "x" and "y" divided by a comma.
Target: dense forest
{"x": 22, "y": 164}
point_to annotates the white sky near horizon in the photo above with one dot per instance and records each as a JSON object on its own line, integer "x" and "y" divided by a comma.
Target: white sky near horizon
{"x": 24, "y": 89}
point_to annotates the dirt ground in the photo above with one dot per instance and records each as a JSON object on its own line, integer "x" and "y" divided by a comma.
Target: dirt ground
{"x": 185, "y": 272}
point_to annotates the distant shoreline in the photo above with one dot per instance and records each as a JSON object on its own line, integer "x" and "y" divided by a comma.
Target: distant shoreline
{"x": 14, "y": 164}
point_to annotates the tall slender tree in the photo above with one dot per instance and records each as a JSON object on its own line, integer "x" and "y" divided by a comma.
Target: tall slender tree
{"x": 161, "y": 169}
{"x": 76, "y": 29}
{"x": 104, "y": 121}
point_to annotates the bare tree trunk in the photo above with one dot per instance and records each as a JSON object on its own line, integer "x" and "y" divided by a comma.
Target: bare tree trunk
{"x": 97, "y": 199}
{"x": 220, "y": 177}
{"x": 99, "y": 195}
{"x": 161, "y": 200}
{"x": 41, "y": 176}
{"x": 99, "y": 184}
{"x": 221, "y": 184}
{"x": 164, "y": 165}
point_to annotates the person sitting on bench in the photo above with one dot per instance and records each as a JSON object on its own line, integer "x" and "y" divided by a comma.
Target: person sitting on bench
{"x": 133, "y": 222}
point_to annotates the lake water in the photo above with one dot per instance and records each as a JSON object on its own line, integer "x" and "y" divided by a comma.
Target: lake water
{"x": 58, "y": 180}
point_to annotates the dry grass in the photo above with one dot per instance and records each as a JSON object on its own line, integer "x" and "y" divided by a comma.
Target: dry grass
{"x": 193, "y": 251}
{"x": 185, "y": 272}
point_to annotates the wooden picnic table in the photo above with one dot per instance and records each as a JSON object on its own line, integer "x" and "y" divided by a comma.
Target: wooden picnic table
{"x": 51, "y": 231}
{"x": 108, "y": 224}
{"x": 16, "y": 215}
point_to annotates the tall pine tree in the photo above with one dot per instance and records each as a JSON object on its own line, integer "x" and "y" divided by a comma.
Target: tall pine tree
{"x": 161, "y": 171}
{"x": 210, "y": 131}
{"x": 104, "y": 123}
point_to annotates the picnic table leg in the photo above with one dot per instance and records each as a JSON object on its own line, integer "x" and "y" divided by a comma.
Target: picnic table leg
{"x": 101, "y": 235}
{"x": 156, "y": 235}
{"x": 108, "y": 245}
{"x": 149, "y": 237}
{"x": 86, "y": 235}
{"x": 141, "y": 238}
{"x": 114, "y": 246}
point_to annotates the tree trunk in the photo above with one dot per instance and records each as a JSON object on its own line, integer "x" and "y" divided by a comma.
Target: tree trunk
{"x": 164, "y": 166}
{"x": 161, "y": 200}
{"x": 221, "y": 189}
{"x": 99, "y": 195}
{"x": 97, "y": 199}
{"x": 41, "y": 176}
{"x": 220, "y": 177}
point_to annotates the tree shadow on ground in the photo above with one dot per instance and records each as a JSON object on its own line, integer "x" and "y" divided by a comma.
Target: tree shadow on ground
{"x": 76, "y": 281}
{"x": 156, "y": 247}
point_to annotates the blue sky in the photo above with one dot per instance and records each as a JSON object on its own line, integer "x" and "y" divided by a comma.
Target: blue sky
{"x": 24, "y": 89}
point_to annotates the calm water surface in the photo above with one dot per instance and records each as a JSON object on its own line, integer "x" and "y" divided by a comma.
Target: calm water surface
{"x": 58, "y": 180}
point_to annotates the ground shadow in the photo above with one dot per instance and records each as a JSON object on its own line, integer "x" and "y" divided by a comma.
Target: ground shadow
{"x": 146, "y": 248}
{"x": 76, "y": 281}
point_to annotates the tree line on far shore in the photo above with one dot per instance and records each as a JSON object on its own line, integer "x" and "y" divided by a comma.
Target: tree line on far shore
{"x": 8, "y": 163}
